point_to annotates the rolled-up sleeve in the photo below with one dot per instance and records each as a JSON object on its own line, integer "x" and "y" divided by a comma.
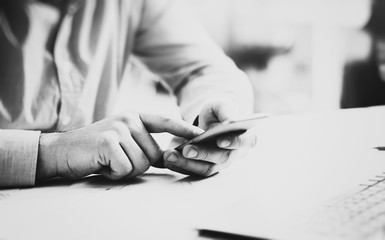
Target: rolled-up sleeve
{"x": 172, "y": 44}
{"x": 18, "y": 157}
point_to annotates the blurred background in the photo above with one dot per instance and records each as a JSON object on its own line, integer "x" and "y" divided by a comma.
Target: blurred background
{"x": 303, "y": 55}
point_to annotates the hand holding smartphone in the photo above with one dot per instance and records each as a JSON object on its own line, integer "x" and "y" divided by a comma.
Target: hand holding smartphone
{"x": 228, "y": 127}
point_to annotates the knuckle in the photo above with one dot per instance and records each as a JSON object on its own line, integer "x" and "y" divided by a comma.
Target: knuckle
{"x": 143, "y": 164}
{"x": 128, "y": 117}
{"x": 146, "y": 162}
{"x": 155, "y": 155}
{"x": 107, "y": 140}
{"x": 126, "y": 170}
{"x": 133, "y": 121}
{"x": 225, "y": 156}
{"x": 166, "y": 122}
{"x": 204, "y": 155}
{"x": 117, "y": 126}
{"x": 238, "y": 141}
{"x": 125, "y": 119}
{"x": 207, "y": 171}
{"x": 146, "y": 165}
{"x": 114, "y": 125}
{"x": 166, "y": 119}
{"x": 183, "y": 163}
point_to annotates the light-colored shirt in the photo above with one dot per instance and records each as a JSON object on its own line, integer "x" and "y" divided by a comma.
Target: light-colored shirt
{"x": 62, "y": 62}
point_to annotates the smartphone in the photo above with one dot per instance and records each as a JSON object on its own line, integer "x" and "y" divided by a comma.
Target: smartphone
{"x": 228, "y": 127}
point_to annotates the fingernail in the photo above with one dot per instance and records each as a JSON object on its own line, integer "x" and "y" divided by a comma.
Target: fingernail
{"x": 225, "y": 143}
{"x": 192, "y": 153}
{"x": 172, "y": 158}
{"x": 199, "y": 131}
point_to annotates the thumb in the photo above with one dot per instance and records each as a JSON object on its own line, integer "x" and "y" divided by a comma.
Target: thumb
{"x": 157, "y": 123}
{"x": 226, "y": 110}
{"x": 218, "y": 112}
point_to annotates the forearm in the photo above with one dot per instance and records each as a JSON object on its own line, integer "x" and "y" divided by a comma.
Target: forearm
{"x": 187, "y": 59}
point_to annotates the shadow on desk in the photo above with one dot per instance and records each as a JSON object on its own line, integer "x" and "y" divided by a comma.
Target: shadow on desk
{"x": 194, "y": 178}
{"x": 100, "y": 182}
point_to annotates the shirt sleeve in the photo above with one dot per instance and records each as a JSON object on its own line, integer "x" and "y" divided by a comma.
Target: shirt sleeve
{"x": 18, "y": 157}
{"x": 173, "y": 45}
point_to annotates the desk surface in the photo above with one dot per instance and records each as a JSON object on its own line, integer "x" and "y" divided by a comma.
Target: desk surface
{"x": 166, "y": 205}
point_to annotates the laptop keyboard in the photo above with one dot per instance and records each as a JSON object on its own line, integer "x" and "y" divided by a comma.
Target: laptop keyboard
{"x": 357, "y": 216}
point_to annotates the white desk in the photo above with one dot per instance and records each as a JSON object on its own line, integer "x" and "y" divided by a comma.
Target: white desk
{"x": 165, "y": 205}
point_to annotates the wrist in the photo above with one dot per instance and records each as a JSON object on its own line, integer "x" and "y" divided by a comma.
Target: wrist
{"x": 47, "y": 158}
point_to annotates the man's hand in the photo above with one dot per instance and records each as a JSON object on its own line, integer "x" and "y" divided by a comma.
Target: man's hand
{"x": 206, "y": 160}
{"x": 117, "y": 147}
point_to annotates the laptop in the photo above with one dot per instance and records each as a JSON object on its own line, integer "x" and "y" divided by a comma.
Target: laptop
{"x": 320, "y": 180}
